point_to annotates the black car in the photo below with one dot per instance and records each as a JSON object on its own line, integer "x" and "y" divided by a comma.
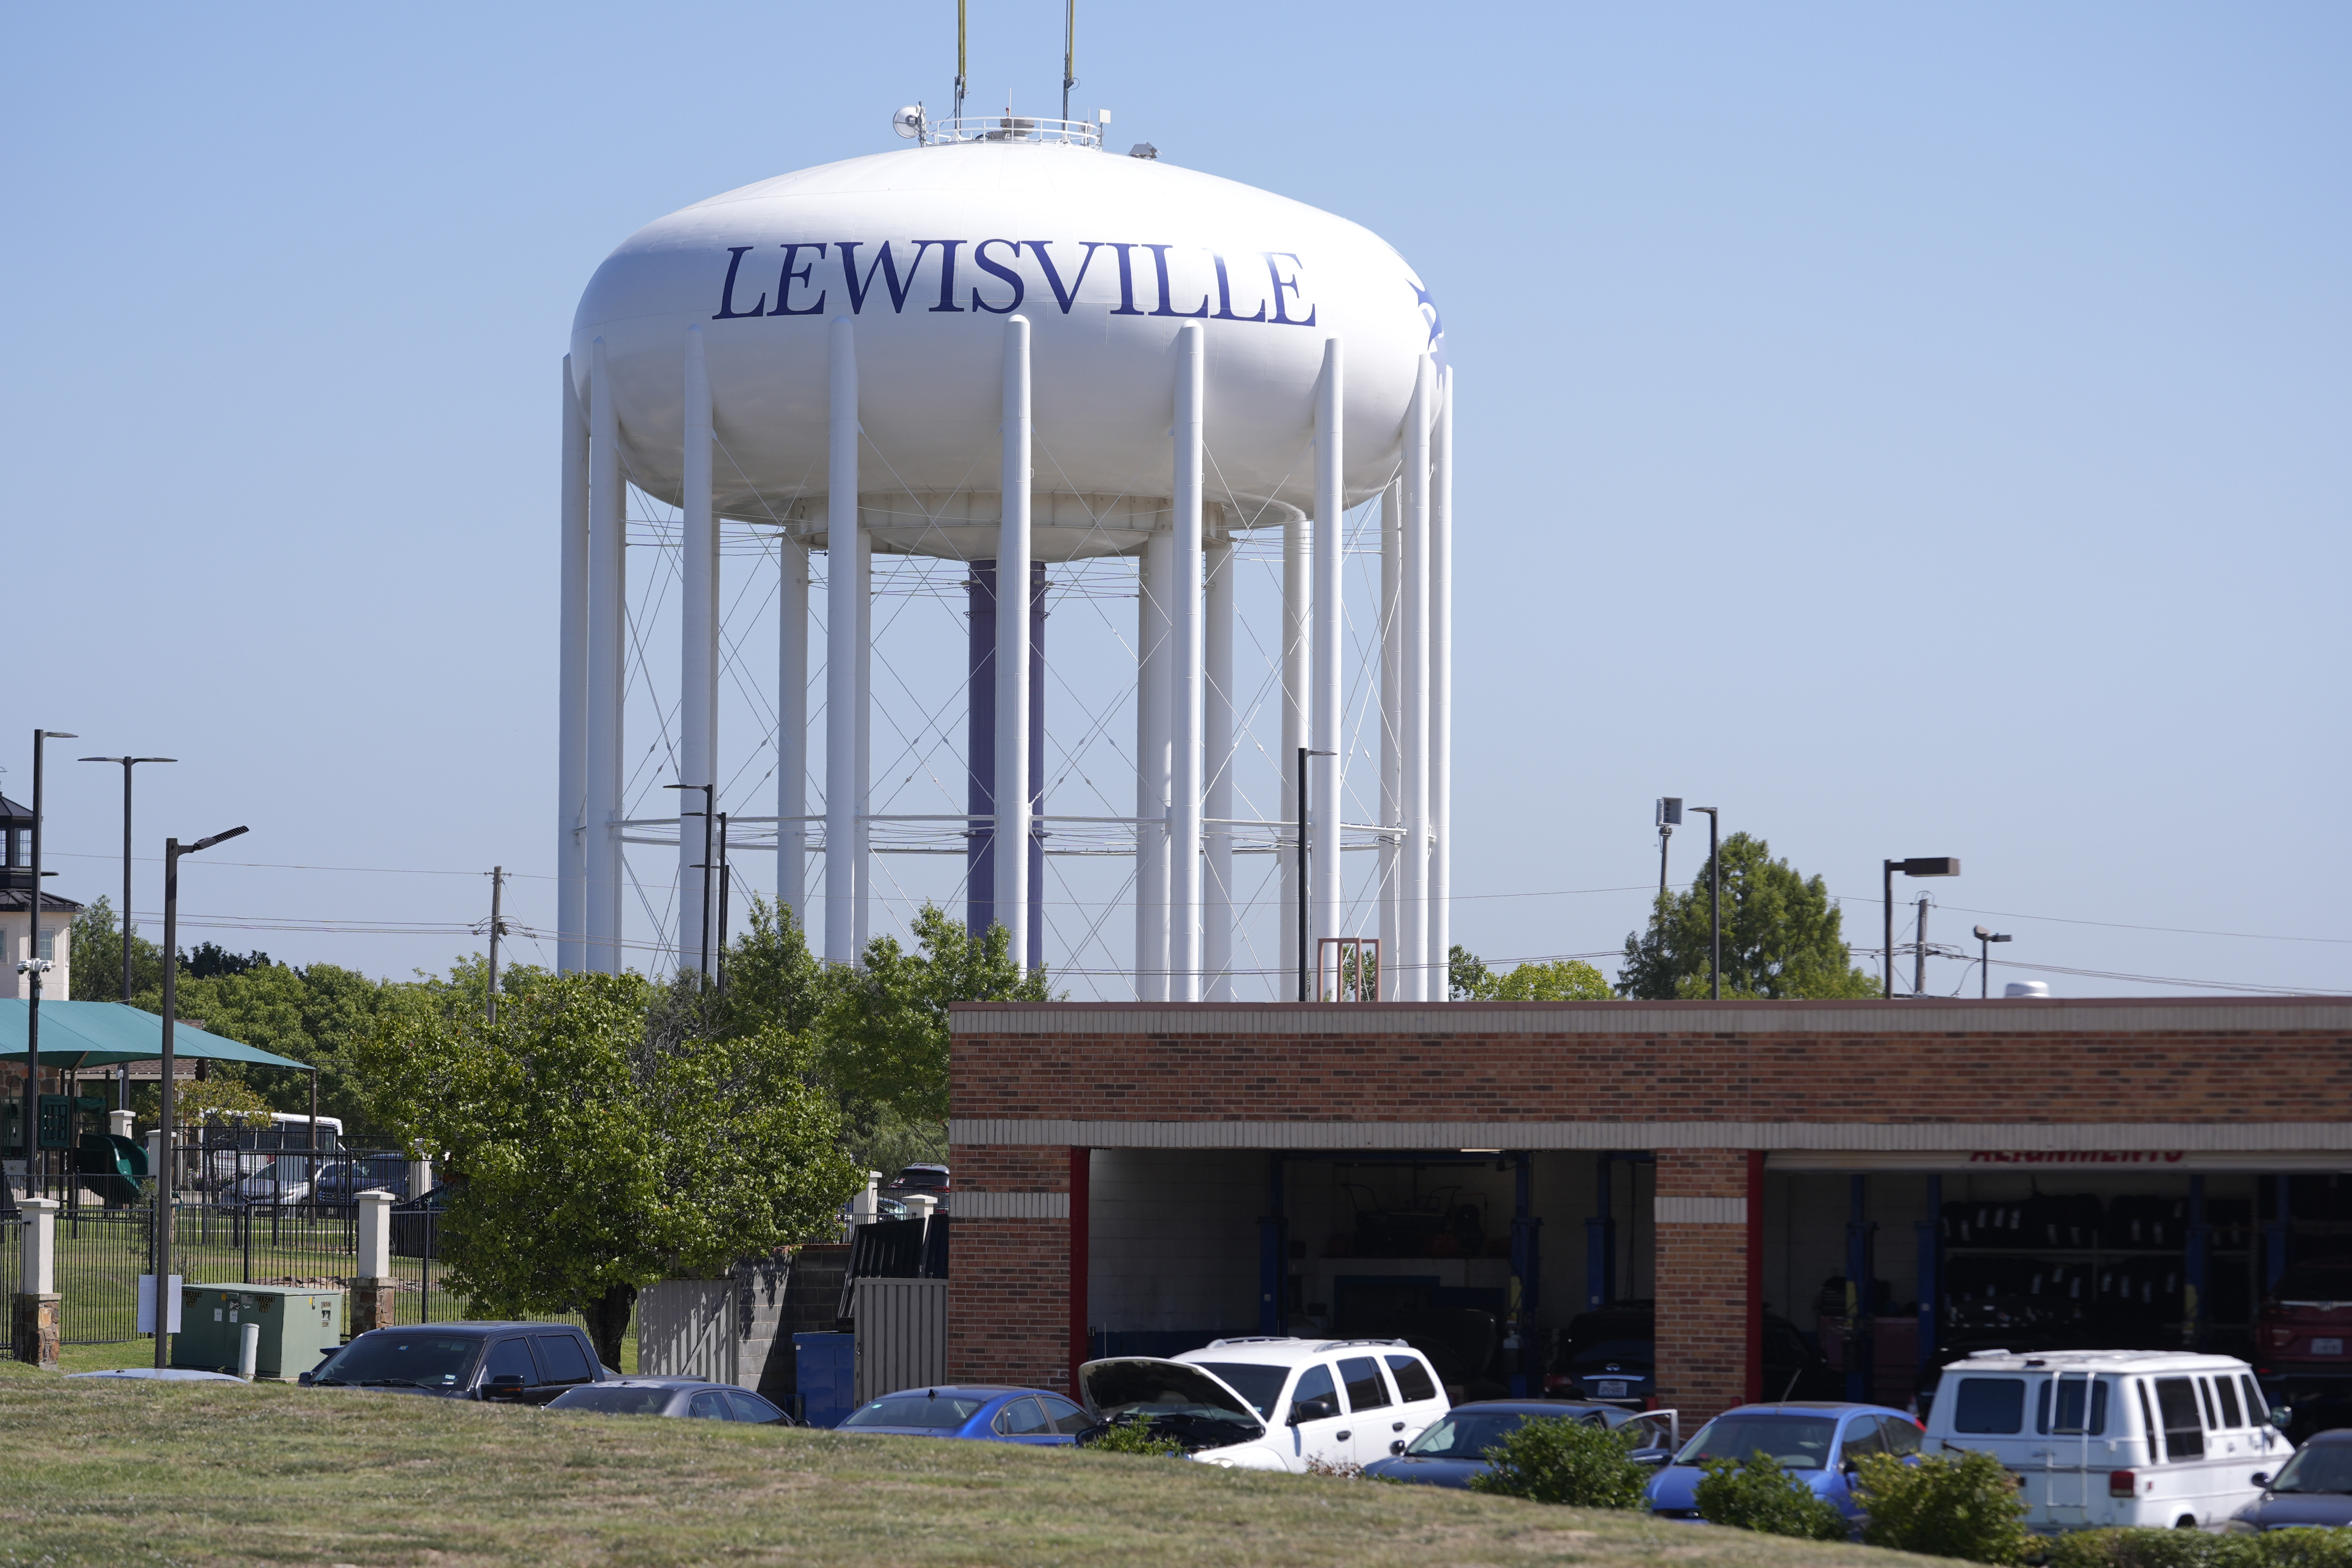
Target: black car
{"x": 2312, "y": 1488}
{"x": 416, "y": 1225}
{"x": 513, "y": 1364}
{"x": 1610, "y": 1355}
{"x": 690, "y": 1398}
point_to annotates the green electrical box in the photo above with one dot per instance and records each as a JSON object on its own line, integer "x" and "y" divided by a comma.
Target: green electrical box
{"x": 298, "y": 1323}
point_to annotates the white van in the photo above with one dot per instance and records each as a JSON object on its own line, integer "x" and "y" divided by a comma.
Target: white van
{"x": 2114, "y": 1437}
{"x": 1272, "y": 1402}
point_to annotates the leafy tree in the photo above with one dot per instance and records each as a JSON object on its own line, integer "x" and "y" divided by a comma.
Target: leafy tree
{"x": 1781, "y": 936}
{"x": 603, "y": 1135}
{"x": 98, "y": 957}
{"x": 1567, "y": 1462}
{"x": 210, "y": 960}
{"x": 1561, "y": 980}
{"x": 885, "y": 1029}
{"x": 1466, "y": 975}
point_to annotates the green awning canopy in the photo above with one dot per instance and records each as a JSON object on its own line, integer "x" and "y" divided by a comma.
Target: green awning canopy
{"x": 78, "y": 1034}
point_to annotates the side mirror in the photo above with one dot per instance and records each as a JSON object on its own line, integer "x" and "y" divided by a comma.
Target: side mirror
{"x": 305, "y": 1380}
{"x": 507, "y": 1386}
{"x": 2281, "y": 1415}
{"x": 1312, "y": 1410}
{"x": 2261, "y": 1479}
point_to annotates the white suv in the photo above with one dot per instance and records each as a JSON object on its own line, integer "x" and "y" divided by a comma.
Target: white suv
{"x": 1275, "y": 1404}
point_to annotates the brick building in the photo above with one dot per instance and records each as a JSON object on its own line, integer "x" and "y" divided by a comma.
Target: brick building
{"x": 1141, "y": 1177}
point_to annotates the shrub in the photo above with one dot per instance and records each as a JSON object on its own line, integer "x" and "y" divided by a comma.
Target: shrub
{"x": 1130, "y": 1437}
{"x": 1759, "y": 1495}
{"x": 1965, "y": 1507}
{"x": 2195, "y": 1549}
{"x": 1563, "y": 1461}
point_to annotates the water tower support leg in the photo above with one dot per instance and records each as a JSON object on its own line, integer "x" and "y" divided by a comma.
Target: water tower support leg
{"x": 841, "y": 627}
{"x": 607, "y": 599}
{"x": 1298, "y": 645}
{"x": 1441, "y": 689}
{"x": 791, "y": 729}
{"x": 1036, "y": 764}
{"x": 1391, "y": 718}
{"x": 1012, "y": 551}
{"x": 1217, "y": 762}
{"x": 1420, "y": 985}
{"x": 1151, "y": 769}
{"x": 1324, "y": 706}
{"x": 1184, "y": 677}
{"x": 698, "y": 664}
{"x": 864, "y": 697}
{"x": 572, "y": 691}
{"x": 980, "y": 752}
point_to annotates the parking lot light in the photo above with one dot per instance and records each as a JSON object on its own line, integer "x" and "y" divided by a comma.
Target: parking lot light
{"x": 1985, "y": 939}
{"x": 1917, "y": 866}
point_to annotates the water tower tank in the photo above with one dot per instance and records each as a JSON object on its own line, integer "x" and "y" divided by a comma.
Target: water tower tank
{"x": 870, "y": 318}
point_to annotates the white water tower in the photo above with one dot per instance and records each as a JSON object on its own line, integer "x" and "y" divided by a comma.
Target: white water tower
{"x": 1007, "y": 346}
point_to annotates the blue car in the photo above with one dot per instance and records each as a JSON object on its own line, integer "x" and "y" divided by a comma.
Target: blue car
{"x": 1454, "y": 1447}
{"x": 1033, "y": 1416}
{"x": 1818, "y": 1441}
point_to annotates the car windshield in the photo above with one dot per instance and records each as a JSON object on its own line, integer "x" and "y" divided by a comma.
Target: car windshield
{"x": 1798, "y": 1442}
{"x": 426, "y": 1360}
{"x": 1637, "y": 1351}
{"x": 1466, "y": 1433}
{"x": 2322, "y": 1467}
{"x": 2328, "y": 1281}
{"x": 613, "y": 1401}
{"x": 931, "y": 1412}
{"x": 1261, "y": 1385}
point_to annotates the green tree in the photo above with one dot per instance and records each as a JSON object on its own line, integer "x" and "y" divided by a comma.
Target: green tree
{"x": 1781, "y": 936}
{"x": 1561, "y": 980}
{"x": 603, "y": 1135}
{"x": 885, "y": 1029}
{"x": 97, "y": 949}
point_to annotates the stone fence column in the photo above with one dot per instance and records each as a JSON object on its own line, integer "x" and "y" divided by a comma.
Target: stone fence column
{"x": 373, "y": 1286}
{"x": 34, "y": 1325}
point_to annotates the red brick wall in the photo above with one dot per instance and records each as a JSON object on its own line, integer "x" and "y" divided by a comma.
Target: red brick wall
{"x": 1009, "y": 1302}
{"x": 1701, "y": 1287}
{"x": 1872, "y": 1073}
{"x": 1009, "y": 1279}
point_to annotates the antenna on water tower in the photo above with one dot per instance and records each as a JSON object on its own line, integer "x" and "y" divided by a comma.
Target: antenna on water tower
{"x": 960, "y": 59}
{"x": 1069, "y": 55}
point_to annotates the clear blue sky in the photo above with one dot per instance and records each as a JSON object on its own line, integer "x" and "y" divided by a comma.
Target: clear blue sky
{"x": 1916, "y": 430}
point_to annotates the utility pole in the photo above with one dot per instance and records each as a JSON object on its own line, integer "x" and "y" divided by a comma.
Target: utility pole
{"x": 1920, "y": 952}
{"x": 497, "y": 930}
{"x": 1917, "y": 866}
{"x": 1670, "y": 816}
{"x": 1713, "y": 904}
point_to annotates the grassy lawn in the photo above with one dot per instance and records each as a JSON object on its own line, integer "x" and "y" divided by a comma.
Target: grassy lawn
{"x": 219, "y": 1473}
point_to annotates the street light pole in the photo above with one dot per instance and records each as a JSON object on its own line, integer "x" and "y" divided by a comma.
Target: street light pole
{"x": 173, "y": 850}
{"x": 128, "y": 763}
{"x": 1919, "y": 866}
{"x": 1714, "y": 907}
{"x": 703, "y": 925}
{"x": 1985, "y": 939}
{"x": 32, "y": 970}
{"x": 725, "y": 882}
{"x": 1670, "y": 816}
